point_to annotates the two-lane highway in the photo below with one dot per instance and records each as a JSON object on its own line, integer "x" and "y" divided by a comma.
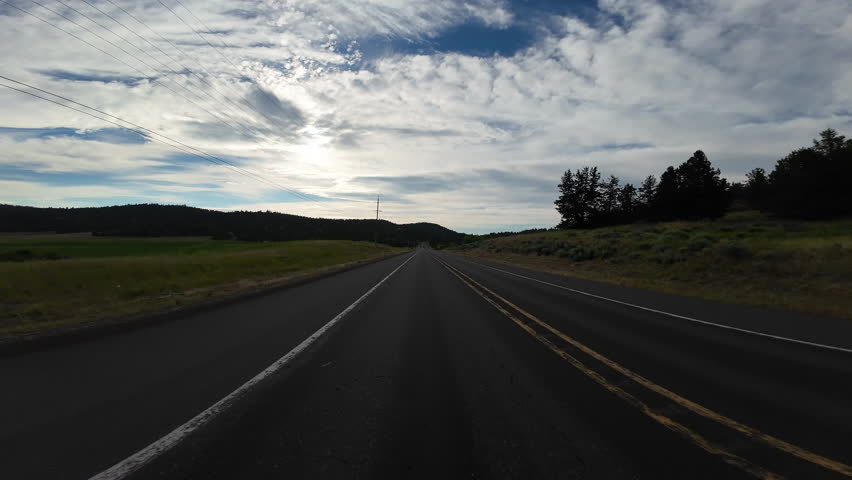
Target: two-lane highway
{"x": 432, "y": 365}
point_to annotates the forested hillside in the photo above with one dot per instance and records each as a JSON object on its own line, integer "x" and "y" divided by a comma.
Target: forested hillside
{"x": 152, "y": 220}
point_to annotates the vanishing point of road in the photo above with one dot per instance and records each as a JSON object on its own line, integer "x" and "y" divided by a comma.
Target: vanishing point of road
{"x": 432, "y": 365}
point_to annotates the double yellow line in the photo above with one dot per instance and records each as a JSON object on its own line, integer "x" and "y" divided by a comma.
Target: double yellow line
{"x": 504, "y": 306}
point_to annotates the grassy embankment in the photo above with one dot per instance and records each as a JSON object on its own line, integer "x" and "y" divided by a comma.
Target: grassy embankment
{"x": 52, "y": 281}
{"x": 743, "y": 258}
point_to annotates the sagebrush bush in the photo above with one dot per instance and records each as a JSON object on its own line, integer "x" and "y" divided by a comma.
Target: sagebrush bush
{"x": 698, "y": 244}
{"x": 580, "y": 254}
{"x": 669, "y": 257}
{"x": 735, "y": 250}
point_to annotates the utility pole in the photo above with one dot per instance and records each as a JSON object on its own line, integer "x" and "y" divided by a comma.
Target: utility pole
{"x": 376, "y": 237}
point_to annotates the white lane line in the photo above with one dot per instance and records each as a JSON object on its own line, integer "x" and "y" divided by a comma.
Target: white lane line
{"x": 139, "y": 459}
{"x": 682, "y": 317}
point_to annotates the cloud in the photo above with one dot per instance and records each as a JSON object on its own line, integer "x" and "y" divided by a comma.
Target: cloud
{"x": 94, "y": 76}
{"x": 346, "y": 99}
{"x": 107, "y": 135}
{"x": 278, "y": 110}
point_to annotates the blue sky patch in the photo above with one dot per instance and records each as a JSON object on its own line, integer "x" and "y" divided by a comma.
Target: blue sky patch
{"x": 469, "y": 39}
{"x": 12, "y": 172}
{"x": 531, "y": 19}
{"x": 99, "y": 77}
{"x": 106, "y": 135}
{"x": 483, "y": 41}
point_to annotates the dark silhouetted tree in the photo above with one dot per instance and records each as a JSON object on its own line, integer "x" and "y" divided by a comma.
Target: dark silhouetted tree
{"x": 813, "y": 182}
{"x": 567, "y": 198}
{"x": 579, "y": 197}
{"x": 609, "y": 208}
{"x": 830, "y": 142}
{"x": 664, "y": 203}
{"x": 647, "y": 190}
{"x": 700, "y": 190}
{"x": 756, "y": 188}
{"x": 627, "y": 203}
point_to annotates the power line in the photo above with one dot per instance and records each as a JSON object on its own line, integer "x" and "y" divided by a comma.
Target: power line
{"x": 176, "y": 47}
{"x": 196, "y": 31}
{"x": 179, "y": 2}
{"x": 200, "y": 154}
{"x": 120, "y": 60}
{"x": 187, "y": 56}
{"x": 112, "y": 56}
{"x": 185, "y": 68}
{"x": 140, "y": 130}
{"x": 168, "y": 68}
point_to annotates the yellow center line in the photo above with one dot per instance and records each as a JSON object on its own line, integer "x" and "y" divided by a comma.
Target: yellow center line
{"x": 669, "y": 423}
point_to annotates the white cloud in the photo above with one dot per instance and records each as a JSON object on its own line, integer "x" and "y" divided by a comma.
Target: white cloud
{"x": 746, "y": 81}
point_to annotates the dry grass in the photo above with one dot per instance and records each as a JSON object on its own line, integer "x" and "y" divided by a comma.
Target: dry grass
{"x": 744, "y": 258}
{"x": 98, "y": 279}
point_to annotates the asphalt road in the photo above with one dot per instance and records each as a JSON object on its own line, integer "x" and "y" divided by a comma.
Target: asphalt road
{"x": 450, "y": 369}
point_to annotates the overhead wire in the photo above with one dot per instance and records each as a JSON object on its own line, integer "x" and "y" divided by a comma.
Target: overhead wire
{"x": 178, "y": 62}
{"x": 202, "y": 37}
{"x": 180, "y": 50}
{"x": 182, "y": 146}
{"x": 177, "y": 74}
{"x": 141, "y": 130}
{"x": 249, "y": 128}
{"x": 153, "y": 81}
{"x": 236, "y": 67}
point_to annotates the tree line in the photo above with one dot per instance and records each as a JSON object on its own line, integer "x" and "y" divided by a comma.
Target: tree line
{"x": 152, "y": 220}
{"x": 808, "y": 183}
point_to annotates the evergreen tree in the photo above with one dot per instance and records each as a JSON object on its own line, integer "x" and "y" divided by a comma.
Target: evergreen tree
{"x": 567, "y": 198}
{"x": 647, "y": 190}
{"x": 812, "y": 182}
{"x": 757, "y": 187}
{"x": 627, "y": 202}
{"x": 579, "y": 197}
{"x": 609, "y": 207}
{"x": 701, "y": 193}
{"x": 664, "y": 203}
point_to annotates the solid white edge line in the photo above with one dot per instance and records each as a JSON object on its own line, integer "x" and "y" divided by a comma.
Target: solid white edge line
{"x": 141, "y": 458}
{"x": 682, "y": 317}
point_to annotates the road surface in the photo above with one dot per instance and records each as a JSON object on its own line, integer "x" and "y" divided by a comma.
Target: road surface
{"x": 444, "y": 367}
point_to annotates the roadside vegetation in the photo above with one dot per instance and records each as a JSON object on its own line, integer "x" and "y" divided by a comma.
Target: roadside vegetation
{"x": 745, "y": 257}
{"x": 57, "y": 281}
{"x": 809, "y": 183}
{"x": 779, "y": 240}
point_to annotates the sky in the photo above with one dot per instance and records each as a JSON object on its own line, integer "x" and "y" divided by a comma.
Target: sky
{"x": 463, "y": 113}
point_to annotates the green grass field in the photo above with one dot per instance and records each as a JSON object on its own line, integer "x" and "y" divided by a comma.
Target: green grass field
{"x": 744, "y": 258}
{"x": 59, "y": 280}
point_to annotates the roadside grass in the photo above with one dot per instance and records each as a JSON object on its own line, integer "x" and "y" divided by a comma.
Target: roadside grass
{"x": 66, "y": 280}
{"x": 743, "y": 258}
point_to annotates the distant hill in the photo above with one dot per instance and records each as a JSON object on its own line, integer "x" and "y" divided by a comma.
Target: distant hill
{"x": 153, "y": 220}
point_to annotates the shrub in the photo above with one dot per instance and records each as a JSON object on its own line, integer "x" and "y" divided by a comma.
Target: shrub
{"x": 579, "y": 254}
{"x": 698, "y": 244}
{"x": 24, "y": 255}
{"x": 606, "y": 251}
{"x": 663, "y": 246}
{"x": 668, "y": 257}
{"x": 735, "y": 250}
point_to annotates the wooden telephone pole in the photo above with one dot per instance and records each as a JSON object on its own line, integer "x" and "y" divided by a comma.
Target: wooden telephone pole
{"x": 376, "y": 237}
